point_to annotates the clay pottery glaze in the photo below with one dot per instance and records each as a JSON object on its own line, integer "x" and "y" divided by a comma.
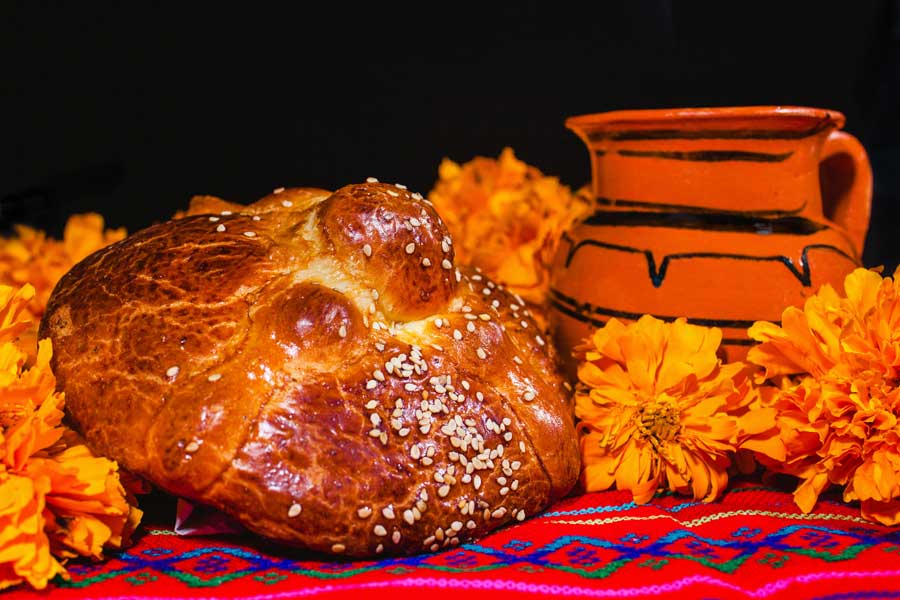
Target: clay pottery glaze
{"x": 724, "y": 216}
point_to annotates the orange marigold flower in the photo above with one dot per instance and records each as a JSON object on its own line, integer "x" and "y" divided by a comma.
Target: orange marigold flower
{"x": 57, "y": 500}
{"x": 835, "y": 365}
{"x": 506, "y": 218}
{"x": 657, "y": 409}
{"x": 31, "y": 257}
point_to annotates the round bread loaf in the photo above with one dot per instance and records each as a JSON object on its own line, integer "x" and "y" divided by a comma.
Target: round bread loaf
{"x": 316, "y": 366}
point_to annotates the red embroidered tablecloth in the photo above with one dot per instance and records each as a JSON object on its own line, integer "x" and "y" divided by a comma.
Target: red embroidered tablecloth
{"x": 754, "y": 543}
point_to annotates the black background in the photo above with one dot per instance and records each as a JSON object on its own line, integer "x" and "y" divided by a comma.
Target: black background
{"x": 129, "y": 110}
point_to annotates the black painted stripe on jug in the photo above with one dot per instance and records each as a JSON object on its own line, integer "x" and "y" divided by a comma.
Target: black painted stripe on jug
{"x": 710, "y": 134}
{"x": 736, "y": 222}
{"x": 589, "y": 309}
{"x": 709, "y": 155}
{"x": 661, "y": 206}
{"x": 600, "y": 323}
{"x": 658, "y": 275}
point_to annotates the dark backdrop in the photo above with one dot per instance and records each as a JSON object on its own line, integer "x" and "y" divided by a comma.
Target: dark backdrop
{"x": 129, "y": 110}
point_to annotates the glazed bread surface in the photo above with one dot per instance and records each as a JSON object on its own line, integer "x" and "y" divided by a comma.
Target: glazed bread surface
{"x": 316, "y": 365}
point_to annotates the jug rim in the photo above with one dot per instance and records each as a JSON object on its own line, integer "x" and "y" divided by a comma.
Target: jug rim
{"x": 762, "y": 121}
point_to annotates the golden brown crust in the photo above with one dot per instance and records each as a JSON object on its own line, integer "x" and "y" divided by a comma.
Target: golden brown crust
{"x": 315, "y": 365}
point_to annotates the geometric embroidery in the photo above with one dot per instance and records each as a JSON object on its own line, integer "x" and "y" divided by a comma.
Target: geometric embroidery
{"x": 753, "y": 542}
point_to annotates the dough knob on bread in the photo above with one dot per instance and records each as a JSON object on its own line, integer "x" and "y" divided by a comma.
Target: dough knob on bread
{"x": 316, "y": 365}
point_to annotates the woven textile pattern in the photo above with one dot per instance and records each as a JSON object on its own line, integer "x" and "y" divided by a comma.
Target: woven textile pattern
{"x": 754, "y": 543}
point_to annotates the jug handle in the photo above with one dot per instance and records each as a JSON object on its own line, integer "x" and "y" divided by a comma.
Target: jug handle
{"x": 850, "y": 210}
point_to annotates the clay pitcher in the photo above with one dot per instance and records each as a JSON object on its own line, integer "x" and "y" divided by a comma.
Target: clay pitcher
{"x": 721, "y": 215}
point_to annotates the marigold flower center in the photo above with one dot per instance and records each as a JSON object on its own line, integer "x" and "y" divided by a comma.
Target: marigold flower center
{"x": 658, "y": 420}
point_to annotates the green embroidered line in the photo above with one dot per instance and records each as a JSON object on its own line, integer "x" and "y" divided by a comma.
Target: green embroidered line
{"x": 710, "y": 518}
{"x": 59, "y": 581}
{"x": 598, "y": 574}
{"x": 352, "y": 572}
{"x": 194, "y": 581}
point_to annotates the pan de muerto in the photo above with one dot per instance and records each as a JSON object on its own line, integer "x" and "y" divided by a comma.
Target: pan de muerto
{"x": 316, "y": 366}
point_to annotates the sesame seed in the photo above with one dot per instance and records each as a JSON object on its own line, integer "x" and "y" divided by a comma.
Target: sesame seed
{"x": 517, "y": 360}
{"x": 477, "y": 482}
{"x": 378, "y": 375}
{"x": 192, "y": 447}
{"x": 439, "y": 322}
{"x": 410, "y": 248}
{"x": 393, "y": 193}
{"x": 374, "y": 294}
{"x": 465, "y": 385}
{"x": 520, "y": 516}
{"x": 539, "y": 339}
{"x": 434, "y": 548}
{"x": 379, "y": 346}
{"x": 172, "y": 371}
{"x": 388, "y": 512}
{"x": 220, "y": 228}
{"x": 528, "y": 396}
{"x": 294, "y": 510}
{"x": 470, "y": 524}
{"x": 443, "y": 490}
{"x": 426, "y": 460}
{"x": 342, "y": 331}
{"x": 214, "y": 377}
{"x": 456, "y": 525}
{"x": 226, "y": 213}
{"x": 400, "y": 186}
{"x": 504, "y": 491}
{"x": 278, "y": 190}
{"x": 480, "y": 396}
{"x": 213, "y": 219}
{"x": 338, "y": 548}
{"x": 250, "y": 233}
{"x": 403, "y": 432}
{"x": 371, "y": 384}
{"x": 426, "y": 262}
{"x": 498, "y": 513}
{"x": 409, "y": 517}
{"x": 446, "y": 264}
{"x": 257, "y": 218}
{"x": 458, "y": 276}
{"x": 481, "y": 353}
{"x": 522, "y": 446}
{"x": 410, "y": 387}
{"x": 445, "y": 246}
{"x": 470, "y": 327}
{"x": 396, "y": 537}
{"x": 371, "y": 180}
{"x": 379, "y": 530}
{"x": 367, "y": 250}
{"x": 415, "y": 222}
{"x": 379, "y": 548}
{"x": 287, "y": 203}
{"x": 428, "y": 540}
{"x": 457, "y": 335}
{"x": 486, "y": 291}
{"x": 484, "y": 317}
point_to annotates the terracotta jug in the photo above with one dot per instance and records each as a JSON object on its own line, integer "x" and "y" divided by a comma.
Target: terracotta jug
{"x": 721, "y": 215}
